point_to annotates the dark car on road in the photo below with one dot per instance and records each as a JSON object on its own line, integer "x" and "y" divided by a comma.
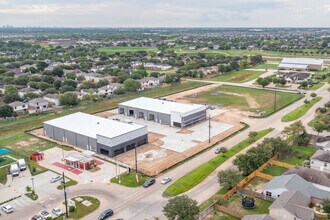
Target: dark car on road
{"x": 106, "y": 214}
{"x": 149, "y": 182}
{"x": 218, "y": 150}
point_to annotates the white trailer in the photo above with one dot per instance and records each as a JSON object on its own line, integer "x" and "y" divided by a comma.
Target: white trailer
{"x": 21, "y": 164}
{"x": 14, "y": 170}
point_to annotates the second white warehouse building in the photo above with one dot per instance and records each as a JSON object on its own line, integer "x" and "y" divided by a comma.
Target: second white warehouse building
{"x": 164, "y": 112}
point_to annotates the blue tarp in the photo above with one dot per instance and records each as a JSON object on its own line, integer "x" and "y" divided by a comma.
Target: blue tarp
{"x": 4, "y": 151}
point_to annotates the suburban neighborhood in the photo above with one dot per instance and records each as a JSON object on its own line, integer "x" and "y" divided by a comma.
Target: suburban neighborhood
{"x": 164, "y": 118}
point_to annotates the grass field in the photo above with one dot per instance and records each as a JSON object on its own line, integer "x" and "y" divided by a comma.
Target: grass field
{"x": 82, "y": 210}
{"x": 197, "y": 175}
{"x": 3, "y": 176}
{"x": 274, "y": 170}
{"x": 265, "y": 66}
{"x": 300, "y": 111}
{"x": 19, "y": 126}
{"x": 172, "y": 71}
{"x": 240, "y": 76}
{"x": 112, "y": 50}
{"x": 130, "y": 179}
{"x": 299, "y": 155}
{"x": 5, "y": 161}
{"x": 247, "y": 99}
{"x": 316, "y": 86}
{"x": 261, "y": 206}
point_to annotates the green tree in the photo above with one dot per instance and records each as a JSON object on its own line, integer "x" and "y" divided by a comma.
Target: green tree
{"x": 313, "y": 95}
{"x": 326, "y": 206}
{"x": 21, "y": 80}
{"x": 131, "y": 85}
{"x": 11, "y": 98}
{"x": 6, "y": 111}
{"x": 229, "y": 178}
{"x": 244, "y": 64}
{"x": 68, "y": 99}
{"x": 181, "y": 208}
{"x": 10, "y": 90}
{"x": 70, "y": 76}
{"x": 252, "y": 136}
{"x": 263, "y": 82}
{"x": 58, "y": 71}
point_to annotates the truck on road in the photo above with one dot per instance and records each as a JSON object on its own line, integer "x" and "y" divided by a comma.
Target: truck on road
{"x": 21, "y": 164}
{"x": 14, "y": 170}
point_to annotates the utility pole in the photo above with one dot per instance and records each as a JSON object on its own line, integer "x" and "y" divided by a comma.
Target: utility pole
{"x": 65, "y": 198}
{"x": 275, "y": 100}
{"x": 136, "y": 166}
{"x": 209, "y": 128}
{"x": 32, "y": 179}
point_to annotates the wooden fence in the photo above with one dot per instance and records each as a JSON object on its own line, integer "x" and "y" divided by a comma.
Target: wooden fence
{"x": 229, "y": 211}
{"x": 281, "y": 164}
{"x": 255, "y": 194}
{"x": 206, "y": 211}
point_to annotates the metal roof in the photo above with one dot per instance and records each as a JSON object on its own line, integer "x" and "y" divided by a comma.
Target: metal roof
{"x": 162, "y": 106}
{"x": 91, "y": 126}
{"x": 306, "y": 61}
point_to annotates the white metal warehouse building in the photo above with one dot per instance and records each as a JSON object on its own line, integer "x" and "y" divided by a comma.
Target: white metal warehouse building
{"x": 101, "y": 135}
{"x": 164, "y": 112}
{"x": 301, "y": 64}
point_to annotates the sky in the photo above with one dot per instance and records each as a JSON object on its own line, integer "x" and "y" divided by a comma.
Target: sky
{"x": 165, "y": 13}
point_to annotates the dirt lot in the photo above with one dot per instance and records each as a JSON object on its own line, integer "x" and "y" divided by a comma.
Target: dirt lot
{"x": 153, "y": 159}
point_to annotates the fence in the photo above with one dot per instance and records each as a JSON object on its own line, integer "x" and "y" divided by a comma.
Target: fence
{"x": 281, "y": 164}
{"x": 232, "y": 212}
{"x": 204, "y": 213}
{"x": 255, "y": 194}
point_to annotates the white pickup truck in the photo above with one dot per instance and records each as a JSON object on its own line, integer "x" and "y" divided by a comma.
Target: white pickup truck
{"x": 14, "y": 170}
{"x": 21, "y": 164}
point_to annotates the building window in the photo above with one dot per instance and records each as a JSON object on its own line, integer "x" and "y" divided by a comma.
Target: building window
{"x": 268, "y": 193}
{"x": 325, "y": 164}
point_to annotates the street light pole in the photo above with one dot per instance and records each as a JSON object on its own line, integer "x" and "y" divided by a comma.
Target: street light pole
{"x": 275, "y": 101}
{"x": 209, "y": 128}
{"x": 32, "y": 179}
{"x": 65, "y": 197}
{"x": 136, "y": 166}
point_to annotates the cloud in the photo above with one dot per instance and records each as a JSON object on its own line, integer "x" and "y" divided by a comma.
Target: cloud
{"x": 169, "y": 13}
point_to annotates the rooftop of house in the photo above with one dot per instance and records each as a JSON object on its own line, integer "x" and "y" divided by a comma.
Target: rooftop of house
{"x": 16, "y": 103}
{"x": 294, "y": 202}
{"x": 28, "y": 89}
{"x": 310, "y": 175}
{"x": 295, "y": 182}
{"x": 52, "y": 96}
{"x": 38, "y": 100}
{"x": 321, "y": 155}
{"x": 257, "y": 217}
{"x": 146, "y": 79}
{"x": 300, "y": 61}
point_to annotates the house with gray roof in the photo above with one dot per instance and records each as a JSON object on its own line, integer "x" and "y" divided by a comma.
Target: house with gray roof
{"x": 19, "y": 106}
{"x": 27, "y": 90}
{"x": 321, "y": 161}
{"x": 310, "y": 175}
{"x": 291, "y": 205}
{"x": 38, "y": 104}
{"x": 109, "y": 89}
{"x": 148, "y": 82}
{"x": 280, "y": 184}
{"x": 53, "y": 99}
{"x": 257, "y": 217}
{"x": 301, "y": 64}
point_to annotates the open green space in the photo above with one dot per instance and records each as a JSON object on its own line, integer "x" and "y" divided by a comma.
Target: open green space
{"x": 239, "y": 76}
{"x": 129, "y": 179}
{"x": 265, "y": 66}
{"x": 300, "y": 111}
{"x": 82, "y": 210}
{"x": 247, "y": 99}
{"x": 316, "y": 86}
{"x": 217, "y": 215}
{"x": 18, "y": 126}
{"x": 197, "y": 175}
{"x": 261, "y": 206}
{"x": 171, "y": 71}
{"x": 3, "y": 176}
{"x": 298, "y": 155}
{"x": 112, "y": 50}
{"x": 274, "y": 170}
{"x": 5, "y": 161}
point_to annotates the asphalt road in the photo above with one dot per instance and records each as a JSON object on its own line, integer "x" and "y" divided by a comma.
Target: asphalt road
{"x": 141, "y": 203}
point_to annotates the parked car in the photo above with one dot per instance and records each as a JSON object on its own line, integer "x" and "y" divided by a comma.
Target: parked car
{"x": 44, "y": 214}
{"x": 55, "y": 178}
{"x": 7, "y": 208}
{"x": 36, "y": 217}
{"x": 166, "y": 180}
{"x": 149, "y": 182}
{"x": 106, "y": 214}
{"x": 218, "y": 150}
{"x": 57, "y": 211}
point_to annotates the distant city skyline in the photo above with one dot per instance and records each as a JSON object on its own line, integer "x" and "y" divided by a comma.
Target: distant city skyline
{"x": 169, "y": 13}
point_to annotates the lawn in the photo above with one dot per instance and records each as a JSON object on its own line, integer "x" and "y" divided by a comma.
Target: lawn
{"x": 67, "y": 184}
{"x": 265, "y": 66}
{"x": 247, "y": 99}
{"x": 130, "y": 179}
{"x": 260, "y": 208}
{"x": 299, "y": 155}
{"x": 197, "y": 175}
{"x": 3, "y": 176}
{"x": 239, "y": 76}
{"x": 171, "y": 71}
{"x": 112, "y": 50}
{"x": 300, "y": 111}
{"x": 217, "y": 215}
{"x": 82, "y": 210}
{"x": 274, "y": 170}
{"x": 21, "y": 125}
{"x": 316, "y": 86}
{"x": 5, "y": 161}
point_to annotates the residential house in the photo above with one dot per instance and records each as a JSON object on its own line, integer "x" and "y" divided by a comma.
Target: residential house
{"x": 310, "y": 175}
{"x": 295, "y": 77}
{"x": 148, "y": 82}
{"x": 53, "y": 99}
{"x": 26, "y": 90}
{"x": 95, "y": 77}
{"x": 2, "y": 87}
{"x": 38, "y": 104}
{"x": 159, "y": 67}
{"x": 109, "y": 90}
{"x": 26, "y": 66}
{"x": 19, "y": 107}
{"x": 136, "y": 64}
{"x": 291, "y": 205}
{"x": 280, "y": 184}
{"x": 321, "y": 161}
{"x": 209, "y": 70}
{"x": 79, "y": 94}
{"x": 257, "y": 217}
